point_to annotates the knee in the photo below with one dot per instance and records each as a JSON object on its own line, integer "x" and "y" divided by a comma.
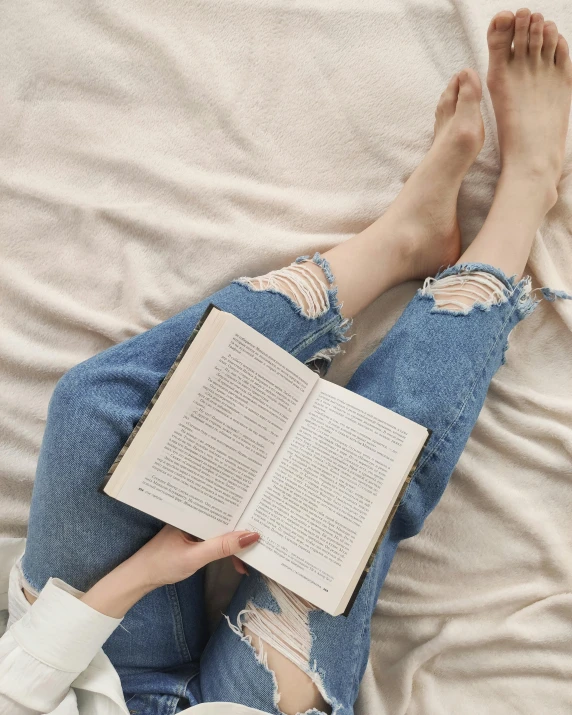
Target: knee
{"x": 101, "y": 395}
{"x": 70, "y": 389}
{"x": 76, "y": 400}
{"x": 87, "y": 424}
{"x": 66, "y": 404}
{"x": 73, "y": 430}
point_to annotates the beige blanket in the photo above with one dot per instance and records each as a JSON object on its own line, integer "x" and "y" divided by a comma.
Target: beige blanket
{"x": 151, "y": 151}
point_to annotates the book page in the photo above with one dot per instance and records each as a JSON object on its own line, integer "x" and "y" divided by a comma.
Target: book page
{"x": 209, "y": 453}
{"x": 330, "y": 485}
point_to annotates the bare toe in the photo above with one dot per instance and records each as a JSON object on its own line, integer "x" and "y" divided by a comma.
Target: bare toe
{"x": 550, "y": 41}
{"x": 562, "y": 56}
{"x": 499, "y": 36}
{"x": 469, "y": 87}
{"x": 521, "y": 25}
{"x": 470, "y": 131}
{"x": 448, "y": 100}
{"x": 535, "y": 35}
{"x": 458, "y": 119}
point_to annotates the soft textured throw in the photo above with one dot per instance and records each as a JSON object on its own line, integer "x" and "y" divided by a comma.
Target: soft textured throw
{"x": 151, "y": 151}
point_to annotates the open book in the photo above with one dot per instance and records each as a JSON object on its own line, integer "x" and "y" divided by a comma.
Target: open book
{"x": 241, "y": 435}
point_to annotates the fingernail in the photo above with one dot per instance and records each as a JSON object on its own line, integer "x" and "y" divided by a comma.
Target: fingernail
{"x": 248, "y": 538}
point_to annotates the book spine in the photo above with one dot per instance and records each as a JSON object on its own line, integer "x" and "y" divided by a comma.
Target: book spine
{"x": 375, "y": 549}
{"x": 155, "y": 397}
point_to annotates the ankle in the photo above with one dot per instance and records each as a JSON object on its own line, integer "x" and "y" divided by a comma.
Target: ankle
{"x": 397, "y": 244}
{"x": 533, "y": 181}
{"x": 505, "y": 240}
{"x": 424, "y": 249}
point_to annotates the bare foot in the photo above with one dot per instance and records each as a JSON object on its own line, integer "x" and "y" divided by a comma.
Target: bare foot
{"x": 530, "y": 81}
{"x": 419, "y": 233}
{"x": 426, "y": 208}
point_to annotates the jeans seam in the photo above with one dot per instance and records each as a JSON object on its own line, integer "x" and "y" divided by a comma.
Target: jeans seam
{"x": 366, "y": 620}
{"x": 178, "y": 622}
{"x": 312, "y": 337}
{"x": 469, "y": 394}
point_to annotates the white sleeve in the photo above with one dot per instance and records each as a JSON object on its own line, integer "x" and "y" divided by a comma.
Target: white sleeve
{"x": 45, "y": 651}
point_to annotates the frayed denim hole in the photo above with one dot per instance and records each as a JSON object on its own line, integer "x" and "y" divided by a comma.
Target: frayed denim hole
{"x": 311, "y": 298}
{"x": 322, "y": 263}
{"x": 321, "y": 362}
{"x": 508, "y": 282}
{"x": 461, "y": 292}
{"x": 300, "y": 284}
{"x": 287, "y": 630}
{"x": 526, "y": 304}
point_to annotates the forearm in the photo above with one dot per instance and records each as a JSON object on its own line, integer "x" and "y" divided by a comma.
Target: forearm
{"x": 43, "y": 652}
{"x": 116, "y": 593}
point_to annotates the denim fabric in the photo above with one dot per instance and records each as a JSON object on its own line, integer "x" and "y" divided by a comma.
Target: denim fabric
{"x": 433, "y": 367}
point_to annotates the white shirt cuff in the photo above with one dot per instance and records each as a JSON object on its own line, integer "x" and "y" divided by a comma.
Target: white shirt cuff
{"x": 62, "y": 631}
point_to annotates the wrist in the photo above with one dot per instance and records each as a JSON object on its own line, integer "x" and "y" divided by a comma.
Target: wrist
{"x": 119, "y": 591}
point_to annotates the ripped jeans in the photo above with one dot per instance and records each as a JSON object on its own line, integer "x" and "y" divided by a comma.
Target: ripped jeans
{"x": 433, "y": 367}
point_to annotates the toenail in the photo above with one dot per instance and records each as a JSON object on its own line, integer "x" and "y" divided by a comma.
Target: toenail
{"x": 523, "y": 12}
{"x": 503, "y": 23}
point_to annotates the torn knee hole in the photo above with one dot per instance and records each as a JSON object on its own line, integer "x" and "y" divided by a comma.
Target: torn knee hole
{"x": 462, "y": 291}
{"x": 287, "y": 633}
{"x": 305, "y": 283}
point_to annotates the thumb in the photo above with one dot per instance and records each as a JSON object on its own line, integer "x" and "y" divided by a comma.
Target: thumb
{"x": 220, "y": 547}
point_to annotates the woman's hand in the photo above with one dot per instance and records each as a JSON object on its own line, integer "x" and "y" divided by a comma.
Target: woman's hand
{"x": 169, "y": 557}
{"x": 172, "y": 555}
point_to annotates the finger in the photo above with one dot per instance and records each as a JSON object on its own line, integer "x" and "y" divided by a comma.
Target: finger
{"x": 239, "y": 566}
{"x": 222, "y": 546}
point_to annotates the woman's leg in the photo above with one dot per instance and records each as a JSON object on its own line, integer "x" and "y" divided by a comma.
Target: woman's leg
{"x": 78, "y": 534}
{"x": 434, "y": 367}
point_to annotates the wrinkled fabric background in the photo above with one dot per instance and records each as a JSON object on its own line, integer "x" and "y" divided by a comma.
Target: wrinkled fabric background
{"x": 152, "y": 151}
